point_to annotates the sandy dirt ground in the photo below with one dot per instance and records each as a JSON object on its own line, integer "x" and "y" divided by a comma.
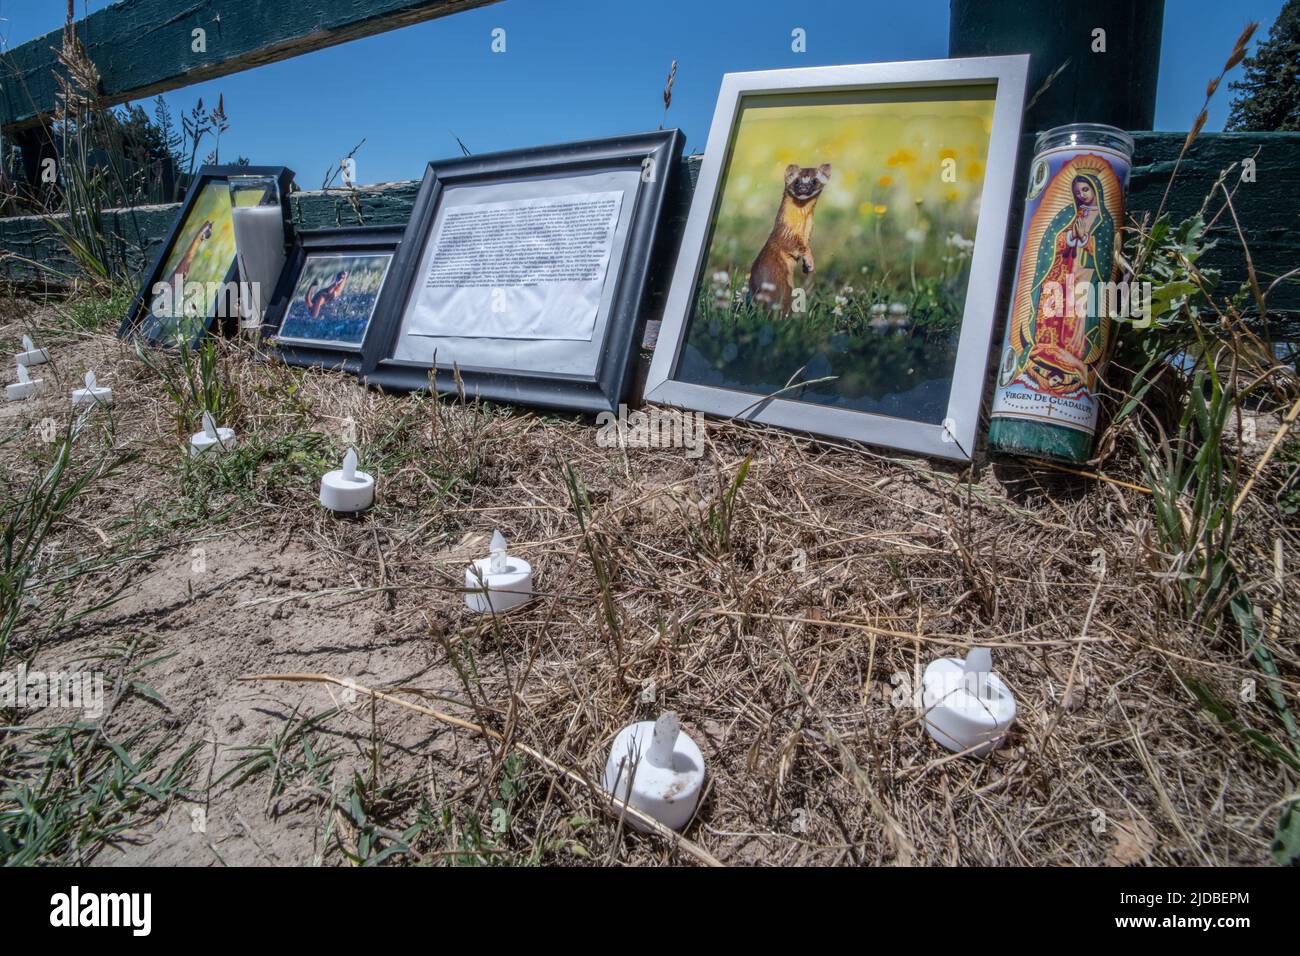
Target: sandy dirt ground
{"x": 787, "y": 633}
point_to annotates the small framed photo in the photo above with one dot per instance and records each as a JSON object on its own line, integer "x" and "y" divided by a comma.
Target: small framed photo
{"x": 527, "y": 273}
{"x": 327, "y": 294}
{"x": 839, "y": 269}
{"x": 193, "y": 282}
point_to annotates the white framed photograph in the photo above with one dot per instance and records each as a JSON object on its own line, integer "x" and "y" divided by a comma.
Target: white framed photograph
{"x": 839, "y": 269}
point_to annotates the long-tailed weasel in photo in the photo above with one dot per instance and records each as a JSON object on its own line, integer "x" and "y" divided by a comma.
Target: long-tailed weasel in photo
{"x": 315, "y": 301}
{"x": 771, "y": 277}
{"x": 183, "y": 267}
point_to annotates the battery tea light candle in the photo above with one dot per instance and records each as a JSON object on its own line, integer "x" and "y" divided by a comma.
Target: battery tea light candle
{"x": 25, "y": 387}
{"x": 347, "y": 490}
{"x": 222, "y": 439}
{"x": 92, "y": 394}
{"x": 498, "y": 582}
{"x": 656, "y": 768}
{"x": 966, "y": 704}
{"x": 31, "y": 355}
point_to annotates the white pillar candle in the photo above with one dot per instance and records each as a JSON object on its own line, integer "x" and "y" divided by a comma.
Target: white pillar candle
{"x": 347, "y": 490}
{"x": 31, "y": 355}
{"x": 966, "y": 704}
{"x": 92, "y": 394}
{"x": 222, "y": 439}
{"x": 259, "y": 244}
{"x": 656, "y": 767}
{"x": 25, "y": 387}
{"x": 498, "y": 582}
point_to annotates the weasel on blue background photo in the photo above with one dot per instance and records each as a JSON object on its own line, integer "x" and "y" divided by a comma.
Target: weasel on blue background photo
{"x": 334, "y": 298}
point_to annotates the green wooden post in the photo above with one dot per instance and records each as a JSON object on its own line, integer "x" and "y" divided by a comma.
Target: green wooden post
{"x": 1108, "y": 76}
{"x": 36, "y": 143}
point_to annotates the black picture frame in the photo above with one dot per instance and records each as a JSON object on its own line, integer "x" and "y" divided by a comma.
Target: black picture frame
{"x": 353, "y": 240}
{"x": 205, "y": 175}
{"x": 659, "y": 151}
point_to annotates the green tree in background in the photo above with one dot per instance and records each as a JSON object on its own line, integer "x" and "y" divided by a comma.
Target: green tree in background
{"x": 1268, "y": 96}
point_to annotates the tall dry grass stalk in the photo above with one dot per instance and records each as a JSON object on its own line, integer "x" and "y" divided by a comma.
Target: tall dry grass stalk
{"x": 668, "y": 92}
{"x": 1239, "y": 50}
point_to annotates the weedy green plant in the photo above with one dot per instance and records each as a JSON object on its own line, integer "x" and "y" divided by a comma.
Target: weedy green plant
{"x": 464, "y": 661}
{"x": 99, "y": 310}
{"x": 372, "y": 815}
{"x": 196, "y": 381}
{"x": 371, "y": 821}
{"x": 84, "y": 185}
{"x": 199, "y": 124}
{"x": 1288, "y": 493}
{"x": 476, "y": 840}
{"x": 368, "y": 811}
{"x": 1285, "y": 846}
{"x": 604, "y": 562}
{"x": 71, "y": 789}
{"x": 459, "y": 433}
{"x": 297, "y": 759}
{"x": 722, "y": 512}
{"x": 1199, "y": 372}
{"x": 111, "y": 158}
{"x": 31, "y": 520}
{"x": 282, "y": 468}
{"x": 457, "y": 440}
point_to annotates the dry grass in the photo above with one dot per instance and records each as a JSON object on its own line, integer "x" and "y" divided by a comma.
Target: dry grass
{"x": 788, "y": 649}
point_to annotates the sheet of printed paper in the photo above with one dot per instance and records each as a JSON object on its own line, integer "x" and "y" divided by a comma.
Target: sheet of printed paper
{"x": 521, "y": 269}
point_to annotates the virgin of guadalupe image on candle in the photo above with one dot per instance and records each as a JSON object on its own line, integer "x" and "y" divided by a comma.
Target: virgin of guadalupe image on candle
{"x": 1059, "y": 332}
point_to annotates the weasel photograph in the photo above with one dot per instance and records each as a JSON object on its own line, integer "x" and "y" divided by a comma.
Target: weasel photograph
{"x": 841, "y": 253}
{"x": 334, "y": 298}
{"x": 197, "y": 264}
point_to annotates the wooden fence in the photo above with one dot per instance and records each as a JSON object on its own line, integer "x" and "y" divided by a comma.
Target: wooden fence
{"x": 143, "y": 47}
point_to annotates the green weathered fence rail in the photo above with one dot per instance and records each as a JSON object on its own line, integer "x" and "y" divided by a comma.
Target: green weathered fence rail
{"x": 1266, "y": 208}
{"x": 145, "y": 47}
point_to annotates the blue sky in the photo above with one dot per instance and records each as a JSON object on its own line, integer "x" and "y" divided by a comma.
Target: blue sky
{"x": 575, "y": 69}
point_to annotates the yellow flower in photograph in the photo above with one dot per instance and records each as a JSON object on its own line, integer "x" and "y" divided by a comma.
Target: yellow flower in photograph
{"x": 881, "y": 209}
{"x": 901, "y": 157}
{"x": 885, "y": 181}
